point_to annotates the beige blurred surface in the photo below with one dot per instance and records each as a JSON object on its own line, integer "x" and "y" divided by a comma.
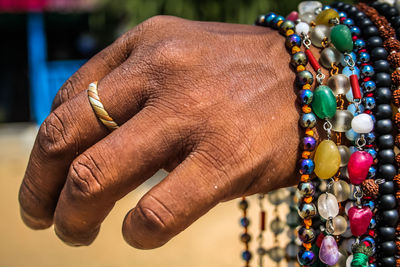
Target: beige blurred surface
{"x": 211, "y": 241}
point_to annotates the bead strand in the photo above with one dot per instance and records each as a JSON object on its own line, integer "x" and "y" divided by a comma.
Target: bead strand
{"x": 245, "y": 237}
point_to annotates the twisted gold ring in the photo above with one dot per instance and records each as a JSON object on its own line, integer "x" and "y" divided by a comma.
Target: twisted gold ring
{"x": 98, "y": 108}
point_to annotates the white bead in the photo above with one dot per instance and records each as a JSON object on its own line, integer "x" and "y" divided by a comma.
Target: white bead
{"x": 308, "y": 7}
{"x": 328, "y": 206}
{"x": 302, "y": 28}
{"x": 319, "y": 33}
{"x": 362, "y": 123}
{"x": 307, "y": 17}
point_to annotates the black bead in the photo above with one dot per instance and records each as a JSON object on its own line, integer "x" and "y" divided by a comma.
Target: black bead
{"x": 359, "y": 16}
{"x": 398, "y": 31}
{"x": 395, "y": 22}
{"x": 386, "y": 188}
{"x": 387, "y": 249}
{"x": 386, "y": 262}
{"x": 381, "y": 65}
{"x": 365, "y": 23}
{"x": 338, "y": 5}
{"x": 386, "y": 156}
{"x": 374, "y": 41}
{"x": 391, "y": 12}
{"x": 369, "y": 31}
{"x": 379, "y": 53}
{"x": 384, "y": 8}
{"x": 383, "y": 95}
{"x": 386, "y": 233}
{"x": 346, "y": 7}
{"x": 385, "y": 141}
{"x": 388, "y": 218}
{"x": 384, "y": 126}
{"x": 376, "y": 4}
{"x": 352, "y": 10}
{"x": 383, "y": 79}
{"x": 387, "y": 171}
{"x": 387, "y": 202}
{"x": 383, "y": 111}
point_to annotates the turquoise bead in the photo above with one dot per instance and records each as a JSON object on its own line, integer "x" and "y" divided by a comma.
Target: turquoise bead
{"x": 341, "y": 38}
{"x": 324, "y": 102}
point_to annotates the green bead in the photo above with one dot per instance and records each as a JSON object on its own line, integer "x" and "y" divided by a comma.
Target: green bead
{"x": 324, "y": 102}
{"x": 341, "y": 38}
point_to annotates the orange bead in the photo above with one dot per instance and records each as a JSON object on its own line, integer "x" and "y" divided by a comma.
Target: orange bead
{"x": 289, "y": 32}
{"x": 307, "y": 87}
{"x": 309, "y": 132}
{"x": 307, "y": 222}
{"x": 307, "y": 246}
{"x": 295, "y": 49}
{"x": 300, "y": 68}
{"x": 308, "y": 200}
{"x": 305, "y": 177}
{"x": 306, "y": 154}
{"x": 279, "y": 23}
{"x": 306, "y": 109}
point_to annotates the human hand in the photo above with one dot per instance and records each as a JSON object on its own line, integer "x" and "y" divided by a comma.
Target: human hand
{"x": 211, "y": 102}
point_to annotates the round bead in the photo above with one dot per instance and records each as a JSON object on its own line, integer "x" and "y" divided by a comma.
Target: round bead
{"x": 324, "y": 102}
{"x": 286, "y": 25}
{"x": 293, "y": 40}
{"x": 369, "y": 31}
{"x": 359, "y": 44}
{"x": 363, "y": 57}
{"x": 320, "y": 33}
{"x": 306, "y": 235}
{"x": 388, "y": 218}
{"x": 328, "y": 206}
{"x": 378, "y": 53}
{"x": 308, "y": 120}
{"x": 362, "y": 123}
{"x": 277, "y": 197}
{"x": 387, "y": 171}
{"x": 306, "y": 189}
{"x": 341, "y": 190}
{"x": 304, "y": 77}
{"x": 341, "y": 122}
{"x": 245, "y": 222}
{"x": 344, "y": 155}
{"x": 305, "y": 97}
{"x": 383, "y": 95}
{"x": 327, "y": 159}
{"x": 292, "y": 249}
{"x": 340, "y": 225}
{"x": 371, "y": 172}
{"x": 276, "y": 254}
{"x": 387, "y": 202}
{"x": 353, "y": 109}
{"x": 367, "y": 71}
{"x": 277, "y": 226}
{"x": 246, "y": 255}
{"x": 329, "y": 56}
{"x": 386, "y": 262}
{"x": 369, "y": 86}
{"x": 370, "y": 137}
{"x": 385, "y": 141}
{"x": 386, "y": 156}
{"x": 347, "y": 71}
{"x": 383, "y": 111}
{"x": 369, "y": 103}
{"x": 309, "y": 143}
{"x": 339, "y": 83}
{"x": 306, "y": 166}
{"x": 386, "y": 188}
{"x": 386, "y": 233}
{"x": 383, "y": 79}
{"x": 307, "y": 210}
{"x": 374, "y": 41}
{"x": 299, "y": 59}
{"x": 307, "y": 17}
{"x": 245, "y": 238}
{"x": 302, "y": 28}
{"x": 276, "y": 20}
{"x": 341, "y": 38}
{"x": 306, "y": 257}
{"x": 387, "y": 249}
{"x": 351, "y": 135}
{"x": 355, "y": 31}
{"x": 384, "y": 126}
{"x": 243, "y": 204}
{"x": 381, "y": 65}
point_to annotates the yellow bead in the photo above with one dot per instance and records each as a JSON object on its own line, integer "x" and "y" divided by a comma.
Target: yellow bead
{"x": 326, "y": 16}
{"x": 289, "y": 32}
{"x": 305, "y": 178}
{"x": 300, "y": 68}
{"x": 307, "y": 87}
{"x": 295, "y": 49}
{"x": 327, "y": 159}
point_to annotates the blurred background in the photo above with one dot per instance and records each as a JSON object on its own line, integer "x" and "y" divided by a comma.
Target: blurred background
{"x": 43, "y": 43}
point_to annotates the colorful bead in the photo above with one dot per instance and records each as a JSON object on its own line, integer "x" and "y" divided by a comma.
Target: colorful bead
{"x": 341, "y": 38}
{"x": 324, "y": 102}
{"x": 358, "y": 166}
{"x": 327, "y": 159}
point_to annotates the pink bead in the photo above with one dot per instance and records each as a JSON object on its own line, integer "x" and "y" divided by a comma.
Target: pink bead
{"x": 293, "y": 16}
{"x": 359, "y": 220}
{"x": 358, "y": 166}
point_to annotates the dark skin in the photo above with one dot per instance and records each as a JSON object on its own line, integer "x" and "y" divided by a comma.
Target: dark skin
{"x": 213, "y": 103}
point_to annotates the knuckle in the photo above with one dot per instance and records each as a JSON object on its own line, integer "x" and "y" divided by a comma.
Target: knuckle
{"x": 52, "y": 136}
{"x": 67, "y": 90}
{"x": 85, "y": 179}
{"x": 172, "y": 53}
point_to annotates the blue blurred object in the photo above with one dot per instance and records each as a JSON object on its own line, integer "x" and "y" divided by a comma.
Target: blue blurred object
{"x": 46, "y": 77}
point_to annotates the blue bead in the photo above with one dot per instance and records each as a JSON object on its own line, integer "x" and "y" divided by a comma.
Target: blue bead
{"x": 351, "y": 135}
{"x": 244, "y": 222}
{"x": 359, "y": 44}
{"x": 370, "y": 137}
{"x": 269, "y": 18}
{"x": 246, "y": 255}
{"x": 306, "y": 257}
{"x": 373, "y": 118}
{"x": 306, "y": 166}
{"x": 342, "y": 14}
{"x": 371, "y": 172}
{"x": 354, "y": 57}
{"x": 347, "y": 71}
{"x": 355, "y": 31}
{"x": 372, "y": 224}
{"x": 369, "y": 86}
{"x": 367, "y": 71}
{"x": 372, "y": 152}
{"x": 293, "y": 40}
{"x": 371, "y": 241}
{"x": 308, "y": 120}
{"x": 275, "y": 21}
{"x": 353, "y": 149}
{"x": 309, "y": 143}
{"x": 326, "y": 7}
{"x": 348, "y": 22}
{"x": 369, "y": 103}
{"x": 370, "y": 204}
{"x": 305, "y": 97}
{"x": 352, "y": 108}
{"x": 363, "y": 57}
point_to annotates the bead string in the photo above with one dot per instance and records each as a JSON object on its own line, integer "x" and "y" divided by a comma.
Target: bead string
{"x": 245, "y": 237}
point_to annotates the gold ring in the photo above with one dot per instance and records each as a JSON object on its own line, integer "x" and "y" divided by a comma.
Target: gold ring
{"x": 98, "y": 108}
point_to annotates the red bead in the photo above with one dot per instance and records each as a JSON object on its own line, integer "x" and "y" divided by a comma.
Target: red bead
{"x": 314, "y": 63}
{"x": 355, "y": 86}
{"x": 362, "y": 50}
{"x": 368, "y": 112}
{"x": 364, "y": 64}
{"x": 371, "y": 232}
{"x": 342, "y": 19}
{"x": 369, "y": 95}
{"x": 358, "y": 166}
{"x": 360, "y": 219}
{"x": 354, "y": 37}
{"x": 366, "y": 79}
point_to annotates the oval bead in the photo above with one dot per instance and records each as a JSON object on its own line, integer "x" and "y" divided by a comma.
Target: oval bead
{"x": 330, "y": 55}
{"x": 328, "y": 206}
{"x": 308, "y": 6}
{"x": 326, "y": 17}
{"x": 359, "y": 220}
{"x": 307, "y": 17}
{"x": 341, "y": 122}
{"x": 341, "y": 190}
{"x": 358, "y": 166}
{"x": 324, "y": 102}
{"x": 341, "y": 38}
{"x": 339, "y": 83}
{"x": 339, "y": 225}
{"x": 329, "y": 251}
{"x": 362, "y": 123}
{"x": 302, "y": 28}
{"x": 326, "y": 159}
{"x": 320, "y": 33}
{"x": 344, "y": 155}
